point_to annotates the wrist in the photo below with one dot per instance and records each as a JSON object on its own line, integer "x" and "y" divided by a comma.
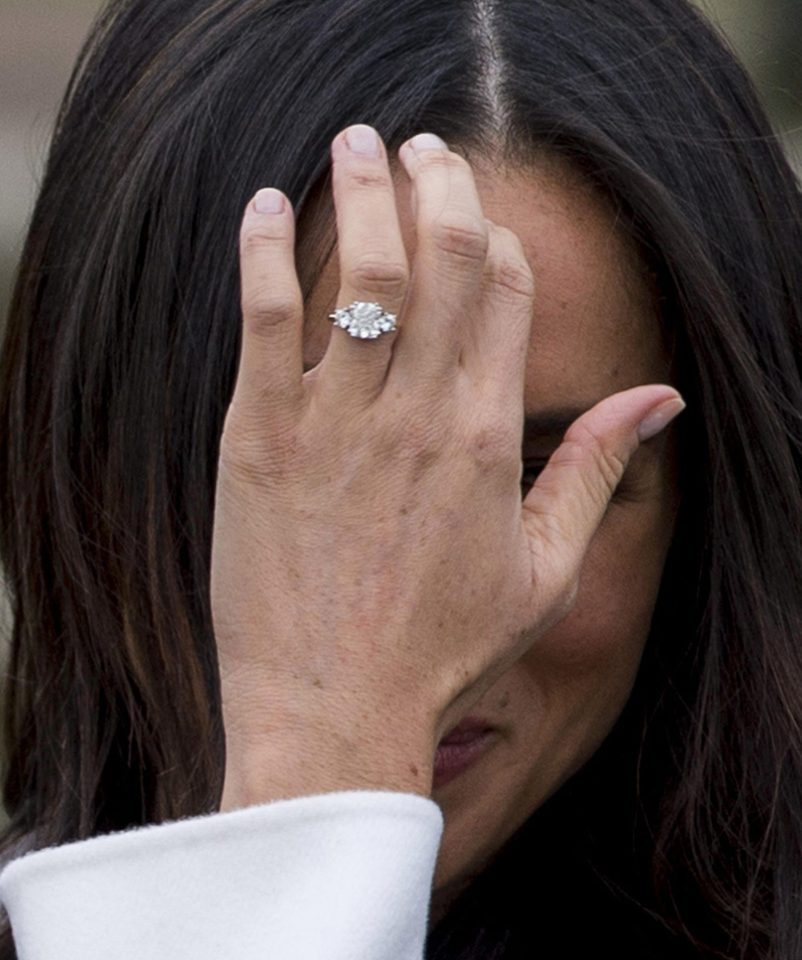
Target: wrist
{"x": 286, "y": 764}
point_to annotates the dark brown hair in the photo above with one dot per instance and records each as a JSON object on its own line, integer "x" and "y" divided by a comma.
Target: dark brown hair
{"x": 683, "y": 833}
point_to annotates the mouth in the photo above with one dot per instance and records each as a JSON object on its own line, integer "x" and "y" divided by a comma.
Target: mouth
{"x": 460, "y": 748}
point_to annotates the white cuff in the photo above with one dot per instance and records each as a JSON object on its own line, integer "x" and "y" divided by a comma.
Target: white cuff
{"x": 335, "y": 876}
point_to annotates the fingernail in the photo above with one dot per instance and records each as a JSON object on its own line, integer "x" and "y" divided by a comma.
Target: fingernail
{"x": 269, "y": 201}
{"x": 427, "y": 141}
{"x": 659, "y": 418}
{"x": 363, "y": 139}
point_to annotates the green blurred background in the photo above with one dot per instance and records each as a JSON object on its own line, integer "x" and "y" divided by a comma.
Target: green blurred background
{"x": 39, "y": 40}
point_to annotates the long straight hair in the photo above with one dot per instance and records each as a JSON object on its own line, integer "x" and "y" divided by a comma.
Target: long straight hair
{"x": 683, "y": 833}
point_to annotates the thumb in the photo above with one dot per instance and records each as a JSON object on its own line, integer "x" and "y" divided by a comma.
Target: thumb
{"x": 564, "y": 508}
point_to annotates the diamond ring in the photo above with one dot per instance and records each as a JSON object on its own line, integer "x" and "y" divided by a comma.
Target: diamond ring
{"x": 366, "y": 320}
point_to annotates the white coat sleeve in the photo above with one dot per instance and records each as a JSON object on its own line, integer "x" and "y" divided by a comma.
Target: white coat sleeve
{"x": 345, "y": 875}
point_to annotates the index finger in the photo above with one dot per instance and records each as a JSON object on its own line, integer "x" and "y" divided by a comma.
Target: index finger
{"x": 270, "y": 375}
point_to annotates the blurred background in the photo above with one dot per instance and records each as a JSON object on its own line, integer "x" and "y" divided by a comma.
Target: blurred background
{"x": 39, "y": 40}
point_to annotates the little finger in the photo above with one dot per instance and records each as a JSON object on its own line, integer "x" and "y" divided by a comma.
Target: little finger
{"x": 451, "y": 247}
{"x": 500, "y": 329}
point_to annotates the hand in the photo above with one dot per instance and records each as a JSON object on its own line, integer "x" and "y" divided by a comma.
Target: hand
{"x": 373, "y": 568}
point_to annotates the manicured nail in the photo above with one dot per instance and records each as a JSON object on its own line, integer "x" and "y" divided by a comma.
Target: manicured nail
{"x": 269, "y": 201}
{"x": 363, "y": 139}
{"x": 427, "y": 141}
{"x": 660, "y": 418}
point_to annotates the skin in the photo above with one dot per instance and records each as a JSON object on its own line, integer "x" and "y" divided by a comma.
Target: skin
{"x": 401, "y": 461}
{"x": 594, "y": 332}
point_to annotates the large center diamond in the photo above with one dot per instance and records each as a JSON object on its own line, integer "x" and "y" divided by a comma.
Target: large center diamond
{"x": 364, "y": 320}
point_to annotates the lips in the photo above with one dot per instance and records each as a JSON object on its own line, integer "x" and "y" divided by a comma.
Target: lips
{"x": 470, "y": 728}
{"x": 461, "y": 748}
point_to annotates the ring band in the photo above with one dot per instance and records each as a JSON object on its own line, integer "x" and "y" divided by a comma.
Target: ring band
{"x": 364, "y": 319}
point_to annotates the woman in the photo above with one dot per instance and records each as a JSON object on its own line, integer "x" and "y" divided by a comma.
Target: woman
{"x": 217, "y": 609}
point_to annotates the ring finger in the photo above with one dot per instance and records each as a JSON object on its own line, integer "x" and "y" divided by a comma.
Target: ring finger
{"x": 373, "y": 264}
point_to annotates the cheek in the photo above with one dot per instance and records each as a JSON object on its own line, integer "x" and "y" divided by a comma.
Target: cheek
{"x": 604, "y": 634}
{"x": 563, "y": 697}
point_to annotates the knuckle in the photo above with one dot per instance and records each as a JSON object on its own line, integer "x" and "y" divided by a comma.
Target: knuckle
{"x": 462, "y": 236}
{"x": 511, "y": 276}
{"x": 264, "y": 310}
{"x": 368, "y": 178}
{"x": 382, "y": 276}
{"x": 253, "y": 240}
{"x": 609, "y": 464}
